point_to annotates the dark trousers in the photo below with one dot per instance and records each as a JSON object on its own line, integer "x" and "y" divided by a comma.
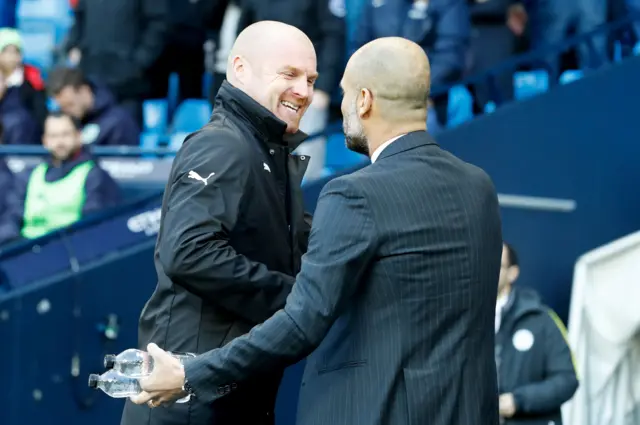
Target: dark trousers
{"x": 490, "y": 46}
{"x": 185, "y": 60}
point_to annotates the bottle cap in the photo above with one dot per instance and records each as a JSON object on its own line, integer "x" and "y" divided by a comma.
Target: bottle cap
{"x": 109, "y": 361}
{"x": 93, "y": 380}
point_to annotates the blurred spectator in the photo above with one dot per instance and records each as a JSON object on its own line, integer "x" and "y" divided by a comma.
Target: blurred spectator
{"x": 226, "y": 38}
{"x": 19, "y": 126}
{"x": 6, "y": 186}
{"x": 323, "y": 22}
{"x": 117, "y": 42}
{"x": 441, "y": 27}
{"x": 103, "y": 121}
{"x": 496, "y": 24}
{"x": 536, "y": 374}
{"x": 550, "y": 21}
{"x": 633, "y": 6}
{"x": 60, "y": 191}
{"x": 21, "y": 79}
{"x": 190, "y": 25}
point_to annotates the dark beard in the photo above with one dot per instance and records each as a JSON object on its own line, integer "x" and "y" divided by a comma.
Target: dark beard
{"x": 357, "y": 144}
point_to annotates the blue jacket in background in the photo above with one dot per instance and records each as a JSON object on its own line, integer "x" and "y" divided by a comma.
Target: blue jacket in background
{"x": 443, "y": 31}
{"x": 108, "y": 123}
{"x": 6, "y": 186}
{"x": 19, "y": 126}
{"x": 101, "y": 192}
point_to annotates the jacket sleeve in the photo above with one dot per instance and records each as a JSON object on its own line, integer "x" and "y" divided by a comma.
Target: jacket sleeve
{"x": 561, "y": 382}
{"x": 203, "y": 203}
{"x": 332, "y": 49}
{"x": 101, "y": 191}
{"x": 122, "y": 129}
{"x": 341, "y": 247}
{"x": 448, "y": 54}
{"x": 154, "y": 33}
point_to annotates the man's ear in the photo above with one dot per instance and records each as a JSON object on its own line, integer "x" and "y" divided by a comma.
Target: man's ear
{"x": 513, "y": 273}
{"x": 238, "y": 68}
{"x": 365, "y": 103}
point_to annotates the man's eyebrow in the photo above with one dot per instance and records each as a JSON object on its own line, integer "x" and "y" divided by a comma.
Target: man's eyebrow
{"x": 298, "y": 71}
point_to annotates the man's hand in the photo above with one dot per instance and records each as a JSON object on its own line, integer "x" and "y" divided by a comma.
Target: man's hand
{"x": 164, "y": 384}
{"x": 517, "y": 19}
{"x": 507, "y": 405}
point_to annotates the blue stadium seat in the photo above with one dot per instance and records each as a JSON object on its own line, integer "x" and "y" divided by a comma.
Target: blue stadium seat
{"x": 173, "y": 94}
{"x": 571, "y": 75}
{"x": 155, "y": 115}
{"x": 39, "y": 43}
{"x": 338, "y": 157}
{"x": 43, "y": 25}
{"x": 190, "y": 115}
{"x": 636, "y": 49}
{"x": 530, "y": 83}
{"x": 490, "y": 107}
{"x": 176, "y": 139}
{"x": 150, "y": 140}
{"x": 460, "y": 107}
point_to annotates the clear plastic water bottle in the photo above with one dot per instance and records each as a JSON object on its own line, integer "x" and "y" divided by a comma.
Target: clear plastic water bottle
{"x": 115, "y": 384}
{"x": 136, "y": 363}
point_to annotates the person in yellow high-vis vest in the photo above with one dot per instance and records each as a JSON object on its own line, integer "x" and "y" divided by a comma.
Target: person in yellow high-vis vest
{"x": 61, "y": 190}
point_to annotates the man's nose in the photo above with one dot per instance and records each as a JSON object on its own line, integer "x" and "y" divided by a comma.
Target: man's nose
{"x": 301, "y": 88}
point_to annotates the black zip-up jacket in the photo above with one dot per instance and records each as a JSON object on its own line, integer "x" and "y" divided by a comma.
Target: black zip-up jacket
{"x": 232, "y": 233}
{"x": 534, "y": 360}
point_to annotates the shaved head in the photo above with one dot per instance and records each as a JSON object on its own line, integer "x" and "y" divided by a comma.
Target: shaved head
{"x": 275, "y": 64}
{"x": 387, "y": 79}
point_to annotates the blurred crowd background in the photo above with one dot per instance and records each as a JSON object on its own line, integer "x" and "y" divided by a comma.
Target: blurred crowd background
{"x": 97, "y": 95}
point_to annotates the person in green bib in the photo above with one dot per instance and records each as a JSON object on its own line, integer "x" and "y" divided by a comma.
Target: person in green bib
{"x": 63, "y": 189}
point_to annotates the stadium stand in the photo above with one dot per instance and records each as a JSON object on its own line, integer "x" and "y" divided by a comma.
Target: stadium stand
{"x": 544, "y": 153}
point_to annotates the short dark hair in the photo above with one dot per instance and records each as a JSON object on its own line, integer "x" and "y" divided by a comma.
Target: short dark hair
{"x": 63, "y": 77}
{"x": 512, "y": 255}
{"x": 59, "y": 114}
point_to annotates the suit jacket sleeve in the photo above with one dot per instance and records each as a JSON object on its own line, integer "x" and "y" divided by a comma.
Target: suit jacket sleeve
{"x": 195, "y": 251}
{"x": 561, "y": 381}
{"x": 341, "y": 247}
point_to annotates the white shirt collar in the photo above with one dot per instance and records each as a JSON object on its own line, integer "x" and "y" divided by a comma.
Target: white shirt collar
{"x": 382, "y": 147}
{"x": 500, "y": 304}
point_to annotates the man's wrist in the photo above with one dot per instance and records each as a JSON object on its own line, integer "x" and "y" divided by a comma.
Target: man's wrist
{"x": 186, "y": 387}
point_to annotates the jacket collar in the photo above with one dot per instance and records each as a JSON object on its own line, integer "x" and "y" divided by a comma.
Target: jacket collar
{"x": 407, "y": 142}
{"x": 270, "y": 128}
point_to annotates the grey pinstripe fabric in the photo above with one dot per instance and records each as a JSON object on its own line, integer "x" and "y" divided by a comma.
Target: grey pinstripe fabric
{"x": 397, "y": 292}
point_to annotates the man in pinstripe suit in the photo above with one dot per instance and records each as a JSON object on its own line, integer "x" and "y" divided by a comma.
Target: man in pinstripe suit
{"x": 395, "y": 300}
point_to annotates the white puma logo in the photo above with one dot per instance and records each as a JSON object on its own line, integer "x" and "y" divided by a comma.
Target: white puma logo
{"x": 196, "y": 176}
{"x": 266, "y": 167}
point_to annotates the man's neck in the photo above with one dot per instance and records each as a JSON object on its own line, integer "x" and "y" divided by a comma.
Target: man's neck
{"x": 504, "y": 292}
{"x": 386, "y": 132}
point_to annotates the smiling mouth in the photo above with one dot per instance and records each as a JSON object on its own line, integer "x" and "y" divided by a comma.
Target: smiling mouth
{"x": 290, "y": 106}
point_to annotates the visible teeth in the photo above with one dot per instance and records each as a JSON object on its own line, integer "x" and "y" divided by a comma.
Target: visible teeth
{"x": 290, "y": 105}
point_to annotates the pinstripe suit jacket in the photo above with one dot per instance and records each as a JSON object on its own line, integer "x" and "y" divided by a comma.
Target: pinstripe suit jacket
{"x": 395, "y": 301}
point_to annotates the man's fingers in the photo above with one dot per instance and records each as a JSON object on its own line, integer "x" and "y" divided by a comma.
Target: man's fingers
{"x": 141, "y": 398}
{"x": 155, "y": 351}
